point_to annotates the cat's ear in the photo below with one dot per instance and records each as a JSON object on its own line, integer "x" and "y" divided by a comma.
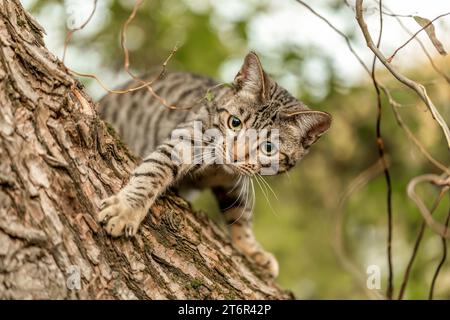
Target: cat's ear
{"x": 312, "y": 123}
{"x": 252, "y": 79}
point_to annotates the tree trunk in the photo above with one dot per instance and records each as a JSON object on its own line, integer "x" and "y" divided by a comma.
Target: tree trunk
{"x": 57, "y": 161}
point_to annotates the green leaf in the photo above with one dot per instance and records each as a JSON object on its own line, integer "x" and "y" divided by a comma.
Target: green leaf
{"x": 209, "y": 96}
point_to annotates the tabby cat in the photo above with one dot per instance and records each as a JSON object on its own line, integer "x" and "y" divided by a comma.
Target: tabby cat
{"x": 253, "y": 100}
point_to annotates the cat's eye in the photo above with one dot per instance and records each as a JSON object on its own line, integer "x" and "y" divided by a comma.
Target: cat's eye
{"x": 268, "y": 148}
{"x": 234, "y": 123}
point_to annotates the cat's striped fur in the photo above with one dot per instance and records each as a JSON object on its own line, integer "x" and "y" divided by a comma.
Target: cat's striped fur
{"x": 146, "y": 125}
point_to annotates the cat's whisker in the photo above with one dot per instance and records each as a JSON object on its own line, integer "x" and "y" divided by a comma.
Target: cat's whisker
{"x": 268, "y": 186}
{"x": 235, "y": 184}
{"x": 289, "y": 176}
{"x": 242, "y": 192}
{"x": 264, "y": 185}
{"x": 262, "y": 189}
{"x": 246, "y": 200}
{"x": 249, "y": 183}
{"x": 265, "y": 196}
{"x": 217, "y": 153}
{"x": 253, "y": 194}
{"x": 237, "y": 200}
{"x": 204, "y": 155}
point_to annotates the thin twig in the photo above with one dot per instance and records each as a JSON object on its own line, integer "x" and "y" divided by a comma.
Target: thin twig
{"x": 143, "y": 84}
{"x": 416, "y": 87}
{"x": 389, "y": 13}
{"x": 361, "y": 62}
{"x": 422, "y": 46}
{"x": 105, "y": 87}
{"x": 394, "y": 106}
{"x": 387, "y": 176}
{"x": 123, "y": 39}
{"x": 72, "y": 31}
{"x": 337, "y": 240}
{"x": 343, "y": 35}
{"x": 440, "y": 181}
{"x": 416, "y": 247}
{"x": 396, "y": 15}
{"x": 441, "y": 263}
{"x": 415, "y": 34}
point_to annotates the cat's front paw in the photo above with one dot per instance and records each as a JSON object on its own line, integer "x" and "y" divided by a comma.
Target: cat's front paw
{"x": 119, "y": 218}
{"x": 267, "y": 261}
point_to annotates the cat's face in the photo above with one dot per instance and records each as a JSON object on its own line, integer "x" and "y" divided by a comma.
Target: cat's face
{"x": 285, "y": 128}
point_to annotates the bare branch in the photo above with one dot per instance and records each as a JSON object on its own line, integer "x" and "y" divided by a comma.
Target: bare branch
{"x": 105, "y": 87}
{"x": 385, "y": 90}
{"x": 337, "y": 240}
{"x": 369, "y": 174}
{"x": 339, "y": 32}
{"x": 440, "y": 181}
{"x": 394, "y": 106}
{"x": 416, "y": 247}
{"x": 387, "y": 176}
{"x": 143, "y": 84}
{"x": 123, "y": 39}
{"x": 442, "y": 261}
{"x": 424, "y": 27}
{"x": 424, "y": 49}
{"x": 72, "y": 31}
{"x": 416, "y": 87}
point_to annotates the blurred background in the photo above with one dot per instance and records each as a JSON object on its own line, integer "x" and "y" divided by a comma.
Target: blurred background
{"x": 335, "y": 200}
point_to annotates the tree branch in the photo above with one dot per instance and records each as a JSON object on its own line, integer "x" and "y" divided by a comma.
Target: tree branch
{"x": 57, "y": 161}
{"x": 416, "y": 87}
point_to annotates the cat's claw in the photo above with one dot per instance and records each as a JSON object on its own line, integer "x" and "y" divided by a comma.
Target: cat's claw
{"x": 130, "y": 230}
{"x": 108, "y": 202}
{"x": 267, "y": 261}
{"x": 119, "y": 218}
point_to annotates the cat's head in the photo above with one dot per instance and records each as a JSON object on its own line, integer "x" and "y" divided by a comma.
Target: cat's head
{"x": 260, "y": 104}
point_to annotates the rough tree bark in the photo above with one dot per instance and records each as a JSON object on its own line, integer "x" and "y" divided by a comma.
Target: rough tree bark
{"x": 57, "y": 160}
